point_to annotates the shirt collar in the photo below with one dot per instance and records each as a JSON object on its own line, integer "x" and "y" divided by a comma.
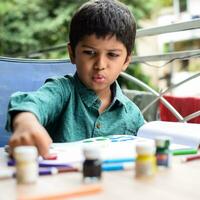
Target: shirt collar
{"x": 90, "y": 98}
{"x": 118, "y": 95}
{"x": 87, "y": 95}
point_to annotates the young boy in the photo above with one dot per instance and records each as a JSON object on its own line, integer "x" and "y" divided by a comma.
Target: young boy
{"x": 90, "y": 103}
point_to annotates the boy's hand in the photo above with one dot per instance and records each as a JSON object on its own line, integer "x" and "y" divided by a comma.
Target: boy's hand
{"x": 28, "y": 131}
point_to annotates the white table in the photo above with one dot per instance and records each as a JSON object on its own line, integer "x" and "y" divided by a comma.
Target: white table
{"x": 182, "y": 182}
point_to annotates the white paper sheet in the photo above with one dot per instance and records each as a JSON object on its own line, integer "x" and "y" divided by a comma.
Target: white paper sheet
{"x": 180, "y": 133}
{"x": 113, "y": 147}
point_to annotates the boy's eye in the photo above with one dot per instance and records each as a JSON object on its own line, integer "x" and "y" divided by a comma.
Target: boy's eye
{"x": 89, "y": 52}
{"x": 111, "y": 54}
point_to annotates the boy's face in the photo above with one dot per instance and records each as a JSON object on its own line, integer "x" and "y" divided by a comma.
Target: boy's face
{"x": 99, "y": 61}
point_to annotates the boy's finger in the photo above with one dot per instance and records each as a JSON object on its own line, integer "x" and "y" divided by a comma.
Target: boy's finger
{"x": 43, "y": 142}
{"x": 13, "y": 142}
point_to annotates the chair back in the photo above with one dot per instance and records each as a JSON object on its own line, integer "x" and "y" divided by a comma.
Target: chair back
{"x": 25, "y": 75}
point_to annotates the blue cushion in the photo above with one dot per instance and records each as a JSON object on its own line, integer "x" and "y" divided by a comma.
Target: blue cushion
{"x": 25, "y": 75}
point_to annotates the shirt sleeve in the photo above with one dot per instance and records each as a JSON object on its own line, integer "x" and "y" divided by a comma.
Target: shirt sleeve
{"x": 46, "y": 103}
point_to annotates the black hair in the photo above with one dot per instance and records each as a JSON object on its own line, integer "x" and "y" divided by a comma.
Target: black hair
{"x": 103, "y": 18}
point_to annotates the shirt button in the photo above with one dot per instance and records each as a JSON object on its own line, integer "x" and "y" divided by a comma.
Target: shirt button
{"x": 98, "y": 125}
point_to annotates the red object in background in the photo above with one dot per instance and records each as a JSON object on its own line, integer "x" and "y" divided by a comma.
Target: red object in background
{"x": 184, "y": 105}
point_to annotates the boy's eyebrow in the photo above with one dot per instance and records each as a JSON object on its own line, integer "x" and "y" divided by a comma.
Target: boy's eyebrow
{"x": 91, "y": 47}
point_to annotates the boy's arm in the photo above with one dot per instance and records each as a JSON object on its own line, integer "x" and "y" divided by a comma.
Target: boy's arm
{"x": 28, "y": 131}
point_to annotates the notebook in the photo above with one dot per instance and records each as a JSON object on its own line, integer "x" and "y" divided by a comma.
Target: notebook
{"x": 183, "y": 136}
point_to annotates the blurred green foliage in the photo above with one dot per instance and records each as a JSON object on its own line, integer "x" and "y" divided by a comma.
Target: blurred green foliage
{"x": 28, "y": 26}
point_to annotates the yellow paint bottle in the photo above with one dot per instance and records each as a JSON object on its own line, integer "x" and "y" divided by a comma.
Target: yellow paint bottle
{"x": 145, "y": 165}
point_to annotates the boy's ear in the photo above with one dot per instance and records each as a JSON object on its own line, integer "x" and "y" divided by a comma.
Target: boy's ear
{"x": 71, "y": 54}
{"x": 127, "y": 62}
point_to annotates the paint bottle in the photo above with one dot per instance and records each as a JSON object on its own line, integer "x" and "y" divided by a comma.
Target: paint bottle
{"x": 92, "y": 164}
{"x": 145, "y": 165}
{"x": 26, "y": 164}
{"x": 163, "y": 155}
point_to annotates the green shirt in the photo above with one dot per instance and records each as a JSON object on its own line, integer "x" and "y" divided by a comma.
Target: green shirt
{"x": 69, "y": 110}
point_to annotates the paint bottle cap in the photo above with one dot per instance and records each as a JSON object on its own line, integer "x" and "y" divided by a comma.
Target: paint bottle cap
{"x": 163, "y": 142}
{"x": 91, "y": 152}
{"x": 144, "y": 148}
{"x": 25, "y": 153}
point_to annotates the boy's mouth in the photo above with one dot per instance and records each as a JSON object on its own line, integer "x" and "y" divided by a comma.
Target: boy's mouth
{"x": 98, "y": 78}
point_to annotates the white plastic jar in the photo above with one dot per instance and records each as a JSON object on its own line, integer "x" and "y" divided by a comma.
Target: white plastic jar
{"x": 26, "y": 164}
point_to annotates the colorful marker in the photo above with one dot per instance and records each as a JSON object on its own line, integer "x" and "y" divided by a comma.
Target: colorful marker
{"x": 184, "y": 151}
{"x": 52, "y": 156}
{"x": 11, "y": 162}
{"x": 191, "y": 158}
{"x": 117, "y": 167}
{"x": 77, "y": 192}
{"x": 8, "y": 173}
{"x": 56, "y": 170}
{"x": 119, "y": 160}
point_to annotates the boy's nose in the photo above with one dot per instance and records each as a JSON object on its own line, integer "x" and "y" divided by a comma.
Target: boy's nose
{"x": 100, "y": 63}
{"x": 98, "y": 67}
